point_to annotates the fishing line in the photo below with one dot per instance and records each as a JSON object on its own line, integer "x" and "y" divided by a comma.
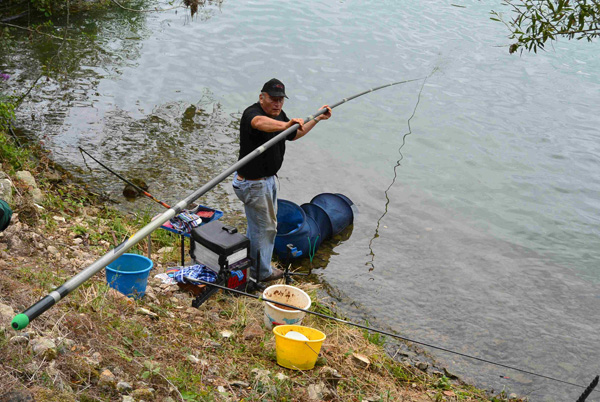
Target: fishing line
{"x": 262, "y": 299}
{"x": 23, "y": 319}
{"x": 371, "y": 264}
{"x": 376, "y": 234}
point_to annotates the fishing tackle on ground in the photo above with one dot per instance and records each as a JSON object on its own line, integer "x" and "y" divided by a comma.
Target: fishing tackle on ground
{"x": 23, "y": 319}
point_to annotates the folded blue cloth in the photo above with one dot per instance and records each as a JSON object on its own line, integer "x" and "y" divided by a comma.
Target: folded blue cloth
{"x": 199, "y": 271}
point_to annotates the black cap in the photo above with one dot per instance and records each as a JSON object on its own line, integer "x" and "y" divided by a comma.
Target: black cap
{"x": 274, "y": 87}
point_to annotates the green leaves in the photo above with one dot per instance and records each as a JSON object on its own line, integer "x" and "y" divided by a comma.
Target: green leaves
{"x": 152, "y": 369}
{"x": 536, "y": 22}
{"x": 7, "y": 113}
{"x": 44, "y": 6}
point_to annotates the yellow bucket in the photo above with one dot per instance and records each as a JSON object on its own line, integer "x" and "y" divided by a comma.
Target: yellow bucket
{"x": 295, "y": 354}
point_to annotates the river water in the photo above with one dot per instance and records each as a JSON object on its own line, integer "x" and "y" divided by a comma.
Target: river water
{"x": 477, "y": 188}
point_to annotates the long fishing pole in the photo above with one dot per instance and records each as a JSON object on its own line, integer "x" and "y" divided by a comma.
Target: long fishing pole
{"x": 589, "y": 389}
{"x": 138, "y": 188}
{"x": 260, "y": 298}
{"x": 23, "y": 319}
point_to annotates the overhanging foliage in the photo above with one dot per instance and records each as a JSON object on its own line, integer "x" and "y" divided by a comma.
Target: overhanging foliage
{"x": 537, "y": 21}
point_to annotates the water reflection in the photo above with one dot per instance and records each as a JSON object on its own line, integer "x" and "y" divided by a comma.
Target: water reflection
{"x": 51, "y": 76}
{"x": 175, "y": 148}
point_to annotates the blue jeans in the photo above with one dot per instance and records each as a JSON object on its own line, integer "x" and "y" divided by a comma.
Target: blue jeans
{"x": 260, "y": 204}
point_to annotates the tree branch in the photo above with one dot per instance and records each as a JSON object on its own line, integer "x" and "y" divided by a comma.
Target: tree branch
{"x": 146, "y": 10}
{"x": 33, "y": 30}
{"x": 534, "y": 22}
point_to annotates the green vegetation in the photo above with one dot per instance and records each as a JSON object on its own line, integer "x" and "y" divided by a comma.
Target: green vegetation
{"x": 46, "y": 6}
{"x": 15, "y": 158}
{"x": 160, "y": 345}
{"x": 7, "y": 112}
{"x": 7, "y": 115}
{"x": 374, "y": 337}
{"x": 534, "y": 22}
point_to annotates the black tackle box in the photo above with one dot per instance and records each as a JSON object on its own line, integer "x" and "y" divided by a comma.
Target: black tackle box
{"x": 217, "y": 245}
{"x": 221, "y": 248}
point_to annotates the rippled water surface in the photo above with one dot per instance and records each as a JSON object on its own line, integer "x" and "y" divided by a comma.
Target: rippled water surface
{"x": 478, "y": 228}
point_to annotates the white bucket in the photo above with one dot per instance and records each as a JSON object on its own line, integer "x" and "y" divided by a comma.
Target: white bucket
{"x": 280, "y": 315}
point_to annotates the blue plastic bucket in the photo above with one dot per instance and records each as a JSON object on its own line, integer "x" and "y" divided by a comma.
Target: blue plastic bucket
{"x": 129, "y": 274}
{"x": 337, "y": 208}
{"x": 295, "y": 227}
{"x": 322, "y": 219}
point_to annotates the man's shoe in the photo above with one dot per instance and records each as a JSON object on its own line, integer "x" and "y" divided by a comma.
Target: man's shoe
{"x": 275, "y": 274}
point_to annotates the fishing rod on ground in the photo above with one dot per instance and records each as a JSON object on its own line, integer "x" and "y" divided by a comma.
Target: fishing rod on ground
{"x": 138, "y": 188}
{"x": 23, "y": 319}
{"x": 588, "y": 390}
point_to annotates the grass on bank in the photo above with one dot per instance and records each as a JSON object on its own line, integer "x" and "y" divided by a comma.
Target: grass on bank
{"x": 160, "y": 345}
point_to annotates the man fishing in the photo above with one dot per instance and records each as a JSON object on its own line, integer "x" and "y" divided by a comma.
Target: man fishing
{"x": 254, "y": 183}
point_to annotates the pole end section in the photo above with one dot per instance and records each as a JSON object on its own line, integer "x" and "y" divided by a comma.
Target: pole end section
{"x": 19, "y": 322}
